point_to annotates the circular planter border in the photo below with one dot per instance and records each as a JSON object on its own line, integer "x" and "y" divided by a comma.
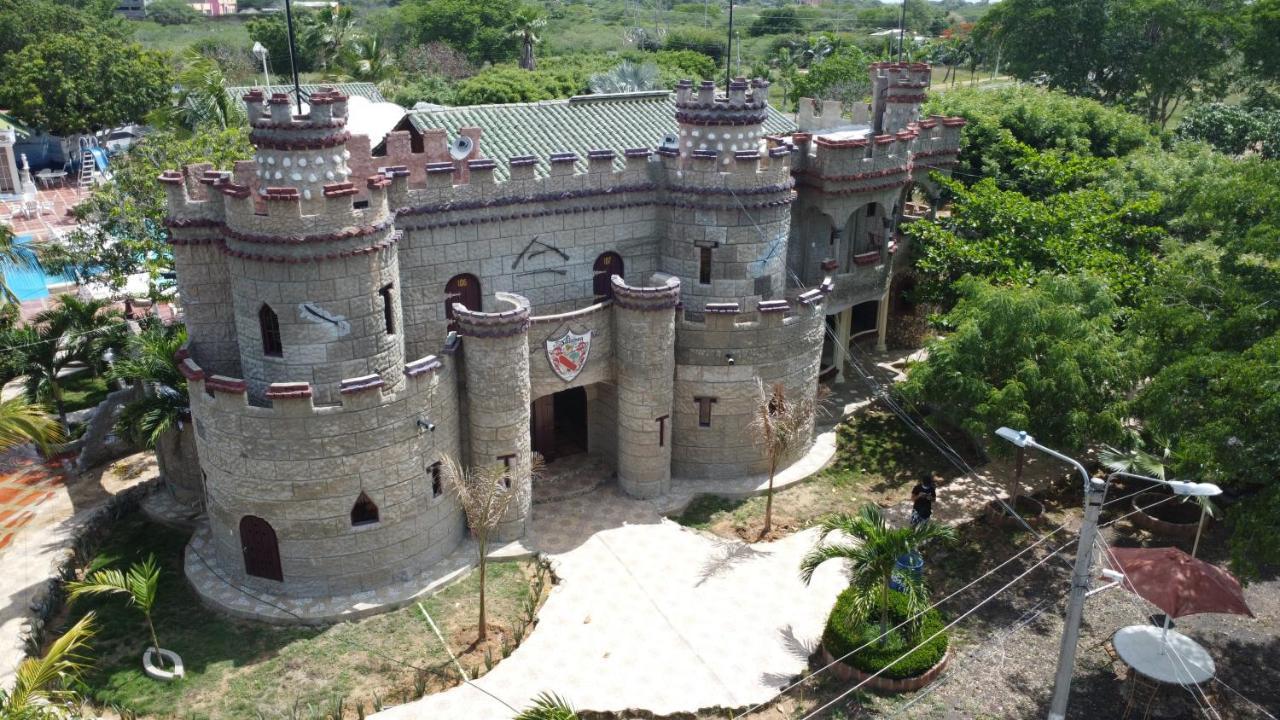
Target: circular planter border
{"x": 155, "y": 672}
{"x": 997, "y": 516}
{"x": 1156, "y": 526}
{"x": 849, "y": 673}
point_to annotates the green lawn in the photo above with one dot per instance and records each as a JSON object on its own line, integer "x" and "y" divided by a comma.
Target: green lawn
{"x": 237, "y": 669}
{"x": 82, "y": 391}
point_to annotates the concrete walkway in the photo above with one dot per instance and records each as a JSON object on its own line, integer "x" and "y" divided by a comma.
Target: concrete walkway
{"x": 652, "y": 615}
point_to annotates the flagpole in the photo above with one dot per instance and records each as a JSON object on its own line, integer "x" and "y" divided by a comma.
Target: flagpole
{"x": 293, "y": 52}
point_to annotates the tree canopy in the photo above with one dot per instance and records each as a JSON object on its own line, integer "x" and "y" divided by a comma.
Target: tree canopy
{"x": 81, "y": 82}
{"x": 478, "y": 28}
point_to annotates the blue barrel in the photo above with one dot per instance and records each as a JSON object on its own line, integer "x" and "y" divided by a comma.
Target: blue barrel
{"x": 912, "y": 563}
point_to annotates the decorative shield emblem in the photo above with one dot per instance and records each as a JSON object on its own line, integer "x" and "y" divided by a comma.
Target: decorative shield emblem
{"x": 568, "y": 354}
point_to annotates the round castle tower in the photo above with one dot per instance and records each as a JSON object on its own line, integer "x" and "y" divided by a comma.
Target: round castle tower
{"x": 313, "y": 275}
{"x": 728, "y": 208}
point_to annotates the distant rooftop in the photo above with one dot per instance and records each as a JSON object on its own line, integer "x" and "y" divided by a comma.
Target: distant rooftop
{"x": 582, "y": 123}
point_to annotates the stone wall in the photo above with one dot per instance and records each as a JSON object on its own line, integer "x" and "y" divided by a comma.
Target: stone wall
{"x": 301, "y": 467}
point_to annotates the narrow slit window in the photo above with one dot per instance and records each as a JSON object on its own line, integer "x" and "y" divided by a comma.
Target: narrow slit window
{"x": 269, "y": 326}
{"x": 437, "y": 484}
{"x": 364, "y": 512}
{"x": 704, "y": 266}
{"x": 704, "y": 410}
{"x": 388, "y": 311}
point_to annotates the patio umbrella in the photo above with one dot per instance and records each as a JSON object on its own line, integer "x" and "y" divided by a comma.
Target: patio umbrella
{"x": 1177, "y": 583}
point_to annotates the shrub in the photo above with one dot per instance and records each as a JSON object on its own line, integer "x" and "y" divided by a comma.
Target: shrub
{"x": 846, "y": 632}
{"x": 172, "y": 12}
{"x": 512, "y": 85}
{"x": 706, "y": 42}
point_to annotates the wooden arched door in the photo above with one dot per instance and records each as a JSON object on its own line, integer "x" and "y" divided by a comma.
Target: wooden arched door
{"x": 607, "y": 265}
{"x": 260, "y": 547}
{"x": 465, "y": 289}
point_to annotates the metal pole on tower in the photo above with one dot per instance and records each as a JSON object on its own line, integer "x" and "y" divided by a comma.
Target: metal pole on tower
{"x": 728, "y": 56}
{"x": 293, "y": 54}
{"x": 902, "y": 29}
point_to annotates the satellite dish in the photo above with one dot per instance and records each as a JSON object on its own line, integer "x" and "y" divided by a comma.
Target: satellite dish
{"x": 671, "y": 140}
{"x": 461, "y": 147}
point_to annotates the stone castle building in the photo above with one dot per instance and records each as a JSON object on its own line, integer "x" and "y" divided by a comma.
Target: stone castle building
{"x": 356, "y": 317}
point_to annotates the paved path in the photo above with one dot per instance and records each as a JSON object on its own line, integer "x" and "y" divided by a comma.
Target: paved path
{"x": 652, "y": 615}
{"x": 28, "y": 557}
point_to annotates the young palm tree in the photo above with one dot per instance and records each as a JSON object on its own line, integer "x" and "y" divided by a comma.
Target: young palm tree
{"x": 367, "y": 59}
{"x": 200, "y": 97}
{"x": 780, "y": 426}
{"x": 22, "y": 423}
{"x": 548, "y": 706}
{"x": 873, "y": 555}
{"x": 37, "y": 353}
{"x": 160, "y": 418}
{"x": 43, "y": 682}
{"x": 525, "y": 25}
{"x": 88, "y": 327}
{"x": 627, "y": 77}
{"x": 485, "y": 499}
{"x": 140, "y": 584}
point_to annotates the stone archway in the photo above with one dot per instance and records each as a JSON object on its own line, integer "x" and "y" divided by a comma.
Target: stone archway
{"x": 261, "y": 548}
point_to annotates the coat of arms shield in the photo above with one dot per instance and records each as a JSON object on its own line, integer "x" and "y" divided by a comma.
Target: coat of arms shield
{"x": 568, "y": 354}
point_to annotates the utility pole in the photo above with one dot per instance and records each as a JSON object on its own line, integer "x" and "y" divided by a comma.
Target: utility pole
{"x": 293, "y": 54}
{"x": 728, "y": 56}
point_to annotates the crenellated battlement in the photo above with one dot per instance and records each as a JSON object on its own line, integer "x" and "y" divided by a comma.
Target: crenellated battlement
{"x": 219, "y": 396}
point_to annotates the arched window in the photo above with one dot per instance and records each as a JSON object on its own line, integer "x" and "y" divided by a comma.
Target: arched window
{"x": 607, "y": 265}
{"x": 269, "y": 327}
{"x": 464, "y": 289}
{"x": 364, "y": 512}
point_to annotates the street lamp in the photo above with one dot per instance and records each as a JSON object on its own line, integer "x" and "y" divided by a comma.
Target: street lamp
{"x": 1185, "y": 489}
{"x": 1094, "y": 490}
{"x": 261, "y": 52}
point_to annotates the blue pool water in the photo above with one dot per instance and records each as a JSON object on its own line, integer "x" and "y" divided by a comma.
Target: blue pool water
{"x": 30, "y": 284}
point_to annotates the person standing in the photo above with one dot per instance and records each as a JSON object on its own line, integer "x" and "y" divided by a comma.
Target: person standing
{"x": 923, "y": 496}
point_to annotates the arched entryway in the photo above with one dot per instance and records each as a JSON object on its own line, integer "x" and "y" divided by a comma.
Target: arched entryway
{"x": 261, "y": 549}
{"x": 464, "y": 289}
{"x": 558, "y": 424}
{"x": 867, "y": 230}
{"x": 607, "y": 265}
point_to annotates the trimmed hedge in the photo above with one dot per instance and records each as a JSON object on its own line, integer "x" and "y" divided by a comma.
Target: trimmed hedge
{"x": 845, "y": 632}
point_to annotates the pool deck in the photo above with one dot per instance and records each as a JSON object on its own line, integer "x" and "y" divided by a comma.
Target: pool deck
{"x": 52, "y": 222}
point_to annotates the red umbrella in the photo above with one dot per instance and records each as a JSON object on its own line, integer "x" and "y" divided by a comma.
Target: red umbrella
{"x": 1177, "y": 583}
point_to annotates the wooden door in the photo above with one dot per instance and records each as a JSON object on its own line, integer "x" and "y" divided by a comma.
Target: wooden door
{"x": 261, "y": 550}
{"x": 542, "y": 426}
{"x": 607, "y": 265}
{"x": 465, "y": 289}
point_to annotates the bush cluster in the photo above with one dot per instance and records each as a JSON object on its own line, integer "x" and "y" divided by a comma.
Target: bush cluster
{"x": 846, "y": 632}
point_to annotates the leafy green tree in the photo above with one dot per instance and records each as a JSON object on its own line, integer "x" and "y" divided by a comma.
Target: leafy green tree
{"x": 273, "y": 33}
{"x": 1228, "y": 128}
{"x": 776, "y": 21}
{"x": 172, "y": 12}
{"x": 873, "y": 550}
{"x": 1152, "y": 54}
{"x": 841, "y": 75}
{"x": 524, "y": 27}
{"x": 121, "y": 229}
{"x": 44, "y": 686}
{"x": 140, "y": 585}
{"x": 511, "y": 85}
{"x": 1011, "y": 238}
{"x": 705, "y": 42}
{"x": 81, "y": 82}
{"x": 19, "y": 20}
{"x": 478, "y": 28}
{"x": 1045, "y": 357}
{"x": 1258, "y": 42}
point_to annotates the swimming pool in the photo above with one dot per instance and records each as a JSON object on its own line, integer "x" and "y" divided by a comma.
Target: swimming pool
{"x": 30, "y": 284}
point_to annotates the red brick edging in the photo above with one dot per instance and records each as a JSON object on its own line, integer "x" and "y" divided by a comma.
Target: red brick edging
{"x": 1156, "y": 526}
{"x": 848, "y": 673}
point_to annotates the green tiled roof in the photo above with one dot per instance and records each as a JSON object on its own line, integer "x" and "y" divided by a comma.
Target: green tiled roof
{"x": 579, "y": 124}
{"x": 364, "y": 90}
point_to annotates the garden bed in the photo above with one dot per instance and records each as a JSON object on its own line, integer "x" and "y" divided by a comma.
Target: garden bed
{"x": 864, "y": 657}
{"x": 1166, "y": 515}
{"x": 239, "y": 669}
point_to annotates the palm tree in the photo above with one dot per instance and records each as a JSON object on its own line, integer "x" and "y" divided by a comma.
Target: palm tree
{"x": 160, "y": 417}
{"x": 367, "y": 59}
{"x": 38, "y": 354}
{"x": 872, "y": 557}
{"x": 43, "y": 682}
{"x": 14, "y": 256}
{"x": 22, "y": 422}
{"x": 548, "y": 706}
{"x": 200, "y": 98}
{"x": 485, "y": 497}
{"x": 780, "y": 427}
{"x": 524, "y": 26}
{"x": 140, "y": 584}
{"x": 627, "y": 77}
{"x": 88, "y": 327}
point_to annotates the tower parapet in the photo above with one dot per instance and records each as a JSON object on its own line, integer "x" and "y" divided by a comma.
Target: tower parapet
{"x": 721, "y": 124}
{"x": 897, "y": 92}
